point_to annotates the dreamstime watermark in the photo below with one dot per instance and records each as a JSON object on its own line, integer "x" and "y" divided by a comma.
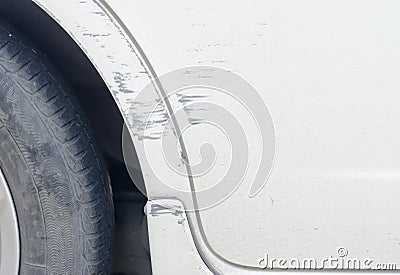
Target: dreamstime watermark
{"x": 199, "y": 133}
{"x": 341, "y": 261}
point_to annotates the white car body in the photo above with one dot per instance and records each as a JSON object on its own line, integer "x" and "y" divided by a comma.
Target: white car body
{"x": 328, "y": 71}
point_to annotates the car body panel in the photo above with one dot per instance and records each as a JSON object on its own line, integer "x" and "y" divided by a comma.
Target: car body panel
{"x": 326, "y": 70}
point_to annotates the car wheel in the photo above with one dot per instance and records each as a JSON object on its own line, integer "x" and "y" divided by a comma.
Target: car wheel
{"x": 56, "y": 208}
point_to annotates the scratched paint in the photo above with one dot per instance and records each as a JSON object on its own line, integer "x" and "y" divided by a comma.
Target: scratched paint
{"x": 326, "y": 82}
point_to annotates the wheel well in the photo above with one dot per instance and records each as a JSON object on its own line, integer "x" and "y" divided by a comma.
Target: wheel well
{"x": 104, "y": 117}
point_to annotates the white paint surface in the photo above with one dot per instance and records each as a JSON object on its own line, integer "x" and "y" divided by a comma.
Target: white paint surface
{"x": 329, "y": 72}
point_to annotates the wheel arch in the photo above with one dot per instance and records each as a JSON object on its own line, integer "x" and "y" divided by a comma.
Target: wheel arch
{"x": 100, "y": 88}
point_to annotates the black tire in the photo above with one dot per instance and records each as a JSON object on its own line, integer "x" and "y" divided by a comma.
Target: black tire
{"x": 57, "y": 178}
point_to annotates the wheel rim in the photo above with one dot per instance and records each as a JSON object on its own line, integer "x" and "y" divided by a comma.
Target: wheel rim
{"x": 9, "y": 235}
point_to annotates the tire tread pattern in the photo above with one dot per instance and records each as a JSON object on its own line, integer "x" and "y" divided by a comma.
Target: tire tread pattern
{"x": 87, "y": 177}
